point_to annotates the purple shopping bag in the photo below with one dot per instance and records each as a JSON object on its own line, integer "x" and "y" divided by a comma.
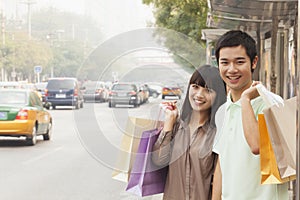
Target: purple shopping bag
{"x": 146, "y": 178}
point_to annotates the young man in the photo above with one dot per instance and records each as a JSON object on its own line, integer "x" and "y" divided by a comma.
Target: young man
{"x": 237, "y": 174}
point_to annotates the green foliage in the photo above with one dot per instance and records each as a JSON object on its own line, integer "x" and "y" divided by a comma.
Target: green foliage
{"x": 59, "y": 43}
{"x": 185, "y": 16}
{"x": 21, "y": 55}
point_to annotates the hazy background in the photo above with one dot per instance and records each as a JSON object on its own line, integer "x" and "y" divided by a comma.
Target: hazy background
{"x": 113, "y": 16}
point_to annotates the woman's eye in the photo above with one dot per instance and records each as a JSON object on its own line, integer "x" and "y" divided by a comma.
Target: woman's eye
{"x": 209, "y": 90}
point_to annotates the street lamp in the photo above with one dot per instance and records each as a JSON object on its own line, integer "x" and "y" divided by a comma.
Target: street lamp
{"x": 28, "y": 3}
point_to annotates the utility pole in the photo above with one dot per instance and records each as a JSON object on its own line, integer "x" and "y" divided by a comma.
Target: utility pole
{"x": 3, "y": 41}
{"x": 3, "y": 27}
{"x": 29, "y": 4}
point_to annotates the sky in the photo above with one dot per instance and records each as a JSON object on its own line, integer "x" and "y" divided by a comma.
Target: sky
{"x": 114, "y": 16}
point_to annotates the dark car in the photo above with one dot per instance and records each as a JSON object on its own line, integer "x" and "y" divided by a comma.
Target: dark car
{"x": 124, "y": 93}
{"x": 95, "y": 91}
{"x": 63, "y": 92}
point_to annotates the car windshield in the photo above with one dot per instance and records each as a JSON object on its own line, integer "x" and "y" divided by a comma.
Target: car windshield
{"x": 60, "y": 84}
{"x": 13, "y": 97}
{"x": 126, "y": 87}
{"x": 93, "y": 85}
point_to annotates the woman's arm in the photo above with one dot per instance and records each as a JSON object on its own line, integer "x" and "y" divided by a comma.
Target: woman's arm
{"x": 161, "y": 154}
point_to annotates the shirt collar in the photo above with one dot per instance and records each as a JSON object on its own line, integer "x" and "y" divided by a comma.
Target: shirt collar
{"x": 230, "y": 103}
{"x": 185, "y": 125}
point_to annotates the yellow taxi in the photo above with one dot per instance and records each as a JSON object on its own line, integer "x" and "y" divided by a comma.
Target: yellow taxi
{"x": 22, "y": 115}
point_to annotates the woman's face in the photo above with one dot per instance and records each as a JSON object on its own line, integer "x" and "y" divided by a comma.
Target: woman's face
{"x": 201, "y": 98}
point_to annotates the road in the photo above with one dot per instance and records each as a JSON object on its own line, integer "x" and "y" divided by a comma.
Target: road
{"x": 77, "y": 163}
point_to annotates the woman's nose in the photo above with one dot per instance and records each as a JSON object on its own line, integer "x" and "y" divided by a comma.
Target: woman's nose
{"x": 200, "y": 91}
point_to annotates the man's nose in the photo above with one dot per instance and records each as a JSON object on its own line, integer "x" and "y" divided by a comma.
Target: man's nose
{"x": 231, "y": 67}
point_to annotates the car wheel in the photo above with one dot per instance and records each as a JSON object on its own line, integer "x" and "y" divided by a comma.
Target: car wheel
{"x": 48, "y": 135}
{"x": 47, "y": 106}
{"x": 163, "y": 96}
{"x": 110, "y": 104}
{"x": 31, "y": 140}
{"x": 77, "y": 105}
{"x": 53, "y": 107}
{"x": 154, "y": 95}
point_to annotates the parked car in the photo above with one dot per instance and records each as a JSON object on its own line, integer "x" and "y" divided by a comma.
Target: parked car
{"x": 154, "y": 89}
{"x": 171, "y": 91}
{"x": 22, "y": 114}
{"x": 41, "y": 87}
{"x": 10, "y": 84}
{"x": 63, "y": 92}
{"x": 124, "y": 93}
{"x": 95, "y": 91}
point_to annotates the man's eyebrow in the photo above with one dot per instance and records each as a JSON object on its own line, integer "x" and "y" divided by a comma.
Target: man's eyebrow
{"x": 237, "y": 58}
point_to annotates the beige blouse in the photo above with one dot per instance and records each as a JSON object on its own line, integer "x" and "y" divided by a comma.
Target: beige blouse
{"x": 190, "y": 159}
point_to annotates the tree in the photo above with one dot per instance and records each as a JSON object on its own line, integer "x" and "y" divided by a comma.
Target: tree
{"x": 60, "y": 42}
{"x": 21, "y": 55}
{"x": 185, "y": 16}
{"x": 70, "y": 36}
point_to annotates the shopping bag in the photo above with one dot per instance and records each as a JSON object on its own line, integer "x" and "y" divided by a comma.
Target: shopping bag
{"x": 146, "y": 178}
{"x": 129, "y": 145}
{"x": 281, "y": 124}
{"x": 268, "y": 165}
{"x": 280, "y": 117}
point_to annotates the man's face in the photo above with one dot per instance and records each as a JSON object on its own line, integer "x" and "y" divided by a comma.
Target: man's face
{"x": 235, "y": 68}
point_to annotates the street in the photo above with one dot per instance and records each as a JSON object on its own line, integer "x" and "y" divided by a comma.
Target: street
{"x": 71, "y": 165}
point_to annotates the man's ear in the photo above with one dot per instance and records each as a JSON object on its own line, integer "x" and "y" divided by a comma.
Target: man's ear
{"x": 254, "y": 63}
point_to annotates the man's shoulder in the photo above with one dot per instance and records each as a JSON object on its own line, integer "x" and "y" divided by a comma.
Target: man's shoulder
{"x": 258, "y": 103}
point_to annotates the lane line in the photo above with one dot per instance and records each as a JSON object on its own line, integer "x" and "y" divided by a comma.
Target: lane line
{"x": 41, "y": 156}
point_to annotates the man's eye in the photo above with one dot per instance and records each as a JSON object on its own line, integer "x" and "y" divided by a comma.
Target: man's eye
{"x": 240, "y": 62}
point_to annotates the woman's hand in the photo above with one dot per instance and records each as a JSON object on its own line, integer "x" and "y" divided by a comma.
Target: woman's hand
{"x": 171, "y": 113}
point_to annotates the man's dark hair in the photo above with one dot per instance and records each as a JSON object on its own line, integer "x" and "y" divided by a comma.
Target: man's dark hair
{"x": 235, "y": 38}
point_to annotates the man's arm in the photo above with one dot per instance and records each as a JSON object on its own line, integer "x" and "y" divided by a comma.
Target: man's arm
{"x": 250, "y": 124}
{"x": 217, "y": 183}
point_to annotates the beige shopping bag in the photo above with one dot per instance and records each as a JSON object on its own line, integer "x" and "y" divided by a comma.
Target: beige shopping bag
{"x": 268, "y": 165}
{"x": 129, "y": 145}
{"x": 281, "y": 124}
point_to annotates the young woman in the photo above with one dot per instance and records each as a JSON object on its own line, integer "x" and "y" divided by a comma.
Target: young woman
{"x": 186, "y": 141}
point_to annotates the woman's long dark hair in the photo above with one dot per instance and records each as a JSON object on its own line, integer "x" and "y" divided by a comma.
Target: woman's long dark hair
{"x": 205, "y": 76}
